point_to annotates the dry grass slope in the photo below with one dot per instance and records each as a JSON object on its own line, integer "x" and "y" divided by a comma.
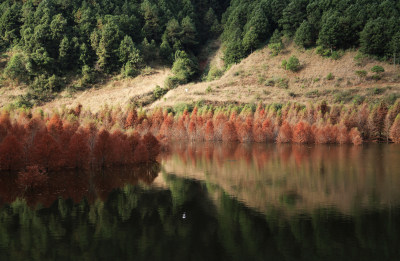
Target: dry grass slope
{"x": 260, "y": 77}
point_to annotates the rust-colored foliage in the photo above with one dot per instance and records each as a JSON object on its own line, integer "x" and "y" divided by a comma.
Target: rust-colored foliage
{"x": 302, "y": 133}
{"x": 285, "y": 133}
{"x": 77, "y": 155}
{"x": 395, "y": 130}
{"x": 46, "y": 152}
{"x": 131, "y": 119}
{"x": 342, "y": 136}
{"x": 141, "y": 153}
{"x": 376, "y": 121}
{"x": 229, "y": 132}
{"x": 326, "y": 134}
{"x": 355, "y": 136}
{"x": 103, "y": 149}
{"x": 10, "y": 153}
{"x": 209, "y": 132}
{"x": 152, "y": 146}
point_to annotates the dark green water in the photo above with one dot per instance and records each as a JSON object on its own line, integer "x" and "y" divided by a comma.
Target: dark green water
{"x": 214, "y": 202}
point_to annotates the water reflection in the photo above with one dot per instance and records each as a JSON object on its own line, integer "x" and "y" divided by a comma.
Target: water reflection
{"x": 294, "y": 177}
{"x": 214, "y": 202}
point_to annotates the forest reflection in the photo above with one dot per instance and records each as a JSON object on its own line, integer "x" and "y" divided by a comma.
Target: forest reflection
{"x": 213, "y": 202}
{"x": 75, "y": 185}
{"x": 294, "y": 177}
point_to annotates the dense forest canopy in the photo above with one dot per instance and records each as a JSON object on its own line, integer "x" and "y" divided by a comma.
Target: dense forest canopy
{"x": 52, "y": 39}
{"x": 372, "y": 25}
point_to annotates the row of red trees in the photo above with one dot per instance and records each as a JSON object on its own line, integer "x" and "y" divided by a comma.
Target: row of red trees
{"x": 293, "y": 123}
{"x": 79, "y": 139}
{"x": 54, "y": 143}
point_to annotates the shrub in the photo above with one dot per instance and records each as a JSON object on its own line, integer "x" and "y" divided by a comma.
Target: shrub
{"x": 377, "y": 69}
{"x": 171, "y": 82}
{"x": 214, "y": 73}
{"x": 159, "y": 92}
{"x": 209, "y": 89}
{"x": 276, "y": 48}
{"x": 293, "y": 64}
{"x": 330, "y": 77}
{"x": 284, "y": 64}
{"x": 283, "y": 83}
{"x": 361, "y": 73}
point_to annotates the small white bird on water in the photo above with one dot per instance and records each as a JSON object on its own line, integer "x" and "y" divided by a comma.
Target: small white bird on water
{"x": 184, "y": 215}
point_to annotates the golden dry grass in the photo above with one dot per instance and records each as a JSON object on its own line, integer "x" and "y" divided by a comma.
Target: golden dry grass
{"x": 113, "y": 93}
{"x": 246, "y": 81}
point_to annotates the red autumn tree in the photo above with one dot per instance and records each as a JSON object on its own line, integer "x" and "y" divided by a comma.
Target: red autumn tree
{"x": 55, "y": 126}
{"x": 10, "y": 153}
{"x": 285, "y": 133}
{"x": 355, "y": 136}
{"x": 245, "y": 129}
{"x": 152, "y": 145}
{"x": 259, "y": 135}
{"x": 376, "y": 121}
{"x": 192, "y": 130}
{"x": 395, "y": 130}
{"x": 131, "y": 119}
{"x": 229, "y": 132}
{"x": 5, "y": 125}
{"x": 120, "y": 148}
{"x": 78, "y": 152}
{"x": 103, "y": 149}
{"x": 302, "y": 133}
{"x": 209, "y": 132}
{"x": 141, "y": 154}
{"x": 342, "y": 136}
{"x": 46, "y": 152}
{"x": 390, "y": 117}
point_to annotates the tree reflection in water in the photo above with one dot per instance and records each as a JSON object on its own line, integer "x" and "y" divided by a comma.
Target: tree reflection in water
{"x": 108, "y": 216}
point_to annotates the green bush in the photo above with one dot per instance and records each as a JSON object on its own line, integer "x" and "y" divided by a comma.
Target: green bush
{"x": 284, "y": 64}
{"x": 276, "y": 48}
{"x": 171, "y": 82}
{"x": 330, "y": 77}
{"x": 293, "y": 64}
{"x": 377, "y": 69}
{"x": 159, "y": 92}
{"x": 214, "y": 73}
{"x": 362, "y": 73}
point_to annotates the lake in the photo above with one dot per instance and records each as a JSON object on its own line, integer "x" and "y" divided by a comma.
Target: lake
{"x": 205, "y": 201}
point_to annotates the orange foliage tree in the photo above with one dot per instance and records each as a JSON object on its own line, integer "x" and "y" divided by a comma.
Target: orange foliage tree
{"x": 395, "y": 130}
{"x": 10, "y": 153}
{"x": 285, "y": 133}
{"x": 302, "y": 133}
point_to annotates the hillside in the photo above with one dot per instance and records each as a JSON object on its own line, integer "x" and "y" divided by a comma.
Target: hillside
{"x": 257, "y": 78}
{"x": 260, "y": 77}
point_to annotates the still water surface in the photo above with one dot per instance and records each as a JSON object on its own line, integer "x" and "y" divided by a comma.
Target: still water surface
{"x": 214, "y": 202}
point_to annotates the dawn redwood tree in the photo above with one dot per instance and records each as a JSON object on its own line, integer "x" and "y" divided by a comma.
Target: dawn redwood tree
{"x": 209, "y": 132}
{"x": 10, "y": 153}
{"x": 302, "y": 133}
{"x": 78, "y": 153}
{"x": 395, "y": 130}
{"x": 229, "y": 132}
{"x": 46, "y": 152}
{"x": 103, "y": 149}
{"x": 152, "y": 145}
{"x": 285, "y": 133}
